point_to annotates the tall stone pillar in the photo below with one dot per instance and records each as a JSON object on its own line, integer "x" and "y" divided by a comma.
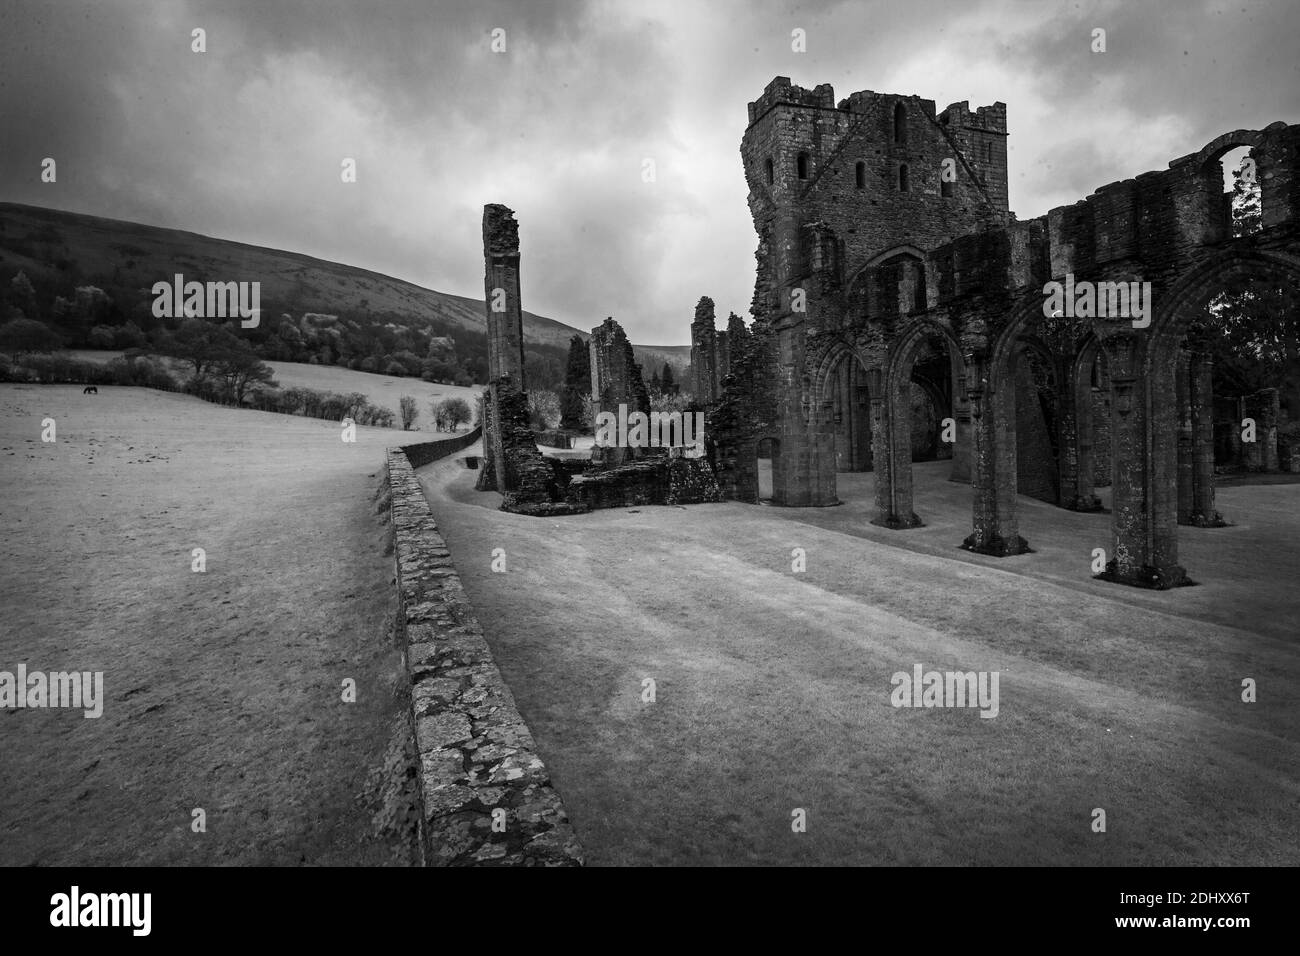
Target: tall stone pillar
{"x": 995, "y": 525}
{"x": 505, "y": 314}
{"x": 704, "y": 353}
{"x": 505, "y": 329}
{"x": 1184, "y": 398}
{"x": 1201, "y": 387}
{"x": 1129, "y": 525}
{"x": 893, "y": 455}
{"x": 1144, "y": 517}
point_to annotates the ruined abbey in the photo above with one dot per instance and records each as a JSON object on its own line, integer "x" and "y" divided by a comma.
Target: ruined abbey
{"x": 887, "y": 262}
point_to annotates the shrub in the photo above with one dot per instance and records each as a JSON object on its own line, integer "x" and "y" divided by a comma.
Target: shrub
{"x": 409, "y": 411}
{"x": 449, "y": 413}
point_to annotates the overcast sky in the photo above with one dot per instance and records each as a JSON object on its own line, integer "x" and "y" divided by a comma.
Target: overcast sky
{"x": 245, "y": 141}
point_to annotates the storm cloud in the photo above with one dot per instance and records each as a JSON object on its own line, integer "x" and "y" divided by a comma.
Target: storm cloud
{"x": 246, "y": 141}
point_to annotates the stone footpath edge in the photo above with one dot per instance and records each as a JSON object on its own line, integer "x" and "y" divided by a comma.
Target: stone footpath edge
{"x": 476, "y": 753}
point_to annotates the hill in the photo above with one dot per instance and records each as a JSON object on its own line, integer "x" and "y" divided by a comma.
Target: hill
{"x": 339, "y": 314}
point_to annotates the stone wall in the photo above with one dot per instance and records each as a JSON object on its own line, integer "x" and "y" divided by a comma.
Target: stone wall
{"x": 655, "y": 480}
{"x": 424, "y": 452}
{"x": 479, "y": 763}
{"x": 615, "y": 380}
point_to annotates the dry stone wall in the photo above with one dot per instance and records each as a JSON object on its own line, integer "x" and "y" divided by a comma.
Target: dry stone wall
{"x": 487, "y": 797}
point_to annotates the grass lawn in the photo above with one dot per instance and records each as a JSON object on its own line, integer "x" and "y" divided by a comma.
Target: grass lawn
{"x": 773, "y": 687}
{"x": 223, "y": 689}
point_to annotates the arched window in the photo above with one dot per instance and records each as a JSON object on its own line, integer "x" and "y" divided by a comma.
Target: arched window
{"x": 1241, "y": 192}
{"x": 988, "y": 152}
{"x": 900, "y": 124}
{"x": 771, "y": 171}
{"x": 860, "y": 173}
{"x": 801, "y": 165}
{"x": 903, "y": 185}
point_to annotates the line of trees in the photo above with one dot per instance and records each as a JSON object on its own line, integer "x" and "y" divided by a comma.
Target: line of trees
{"x": 149, "y": 372}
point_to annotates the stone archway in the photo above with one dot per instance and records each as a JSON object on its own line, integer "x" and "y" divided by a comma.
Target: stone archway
{"x": 893, "y": 437}
{"x": 844, "y": 384}
{"x": 1146, "y": 506}
{"x": 1083, "y": 422}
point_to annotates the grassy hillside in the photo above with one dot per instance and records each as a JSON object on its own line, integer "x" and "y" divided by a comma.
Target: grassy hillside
{"x": 377, "y": 317}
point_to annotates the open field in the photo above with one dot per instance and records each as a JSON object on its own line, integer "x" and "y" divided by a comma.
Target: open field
{"x": 773, "y": 688}
{"x": 223, "y": 689}
{"x": 382, "y": 390}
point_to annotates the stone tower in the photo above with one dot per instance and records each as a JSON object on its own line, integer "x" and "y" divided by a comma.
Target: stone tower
{"x": 847, "y": 199}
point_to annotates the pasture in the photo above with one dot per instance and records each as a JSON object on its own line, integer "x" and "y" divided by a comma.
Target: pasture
{"x": 223, "y": 688}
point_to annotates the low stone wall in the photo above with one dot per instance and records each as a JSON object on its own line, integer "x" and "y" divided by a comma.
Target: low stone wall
{"x": 654, "y": 480}
{"x": 425, "y": 452}
{"x": 487, "y": 798}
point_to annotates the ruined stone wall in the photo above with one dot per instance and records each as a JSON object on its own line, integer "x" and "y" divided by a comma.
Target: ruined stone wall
{"x": 704, "y": 354}
{"x": 477, "y": 755}
{"x": 655, "y": 480}
{"x": 505, "y": 317}
{"x": 616, "y": 380}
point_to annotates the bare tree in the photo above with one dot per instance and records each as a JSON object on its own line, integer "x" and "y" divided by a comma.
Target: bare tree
{"x": 409, "y": 412}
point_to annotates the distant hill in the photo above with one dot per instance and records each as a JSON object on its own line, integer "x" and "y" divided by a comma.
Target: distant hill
{"x": 59, "y": 250}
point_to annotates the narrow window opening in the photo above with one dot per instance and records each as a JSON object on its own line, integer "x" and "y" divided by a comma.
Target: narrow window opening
{"x": 801, "y": 165}
{"x": 902, "y": 179}
{"x": 900, "y": 124}
{"x": 860, "y": 173}
{"x": 1241, "y": 194}
{"x": 771, "y": 171}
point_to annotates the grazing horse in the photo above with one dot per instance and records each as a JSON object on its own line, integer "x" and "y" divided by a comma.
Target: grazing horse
{"x": 90, "y": 390}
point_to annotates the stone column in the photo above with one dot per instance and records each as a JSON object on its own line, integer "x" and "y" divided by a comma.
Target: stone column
{"x": 1184, "y": 409}
{"x": 704, "y": 357}
{"x": 505, "y": 316}
{"x": 1130, "y": 550}
{"x": 995, "y": 527}
{"x": 1144, "y": 519}
{"x": 505, "y": 339}
{"x": 1201, "y": 386}
{"x": 892, "y": 436}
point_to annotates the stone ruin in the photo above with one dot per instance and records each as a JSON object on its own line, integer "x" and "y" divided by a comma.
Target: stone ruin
{"x": 530, "y": 482}
{"x": 888, "y": 261}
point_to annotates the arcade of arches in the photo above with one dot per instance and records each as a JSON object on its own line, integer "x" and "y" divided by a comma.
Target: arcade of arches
{"x": 855, "y": 367}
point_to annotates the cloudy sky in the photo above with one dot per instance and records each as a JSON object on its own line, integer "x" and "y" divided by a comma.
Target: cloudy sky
{"x": 245, "y": 141}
